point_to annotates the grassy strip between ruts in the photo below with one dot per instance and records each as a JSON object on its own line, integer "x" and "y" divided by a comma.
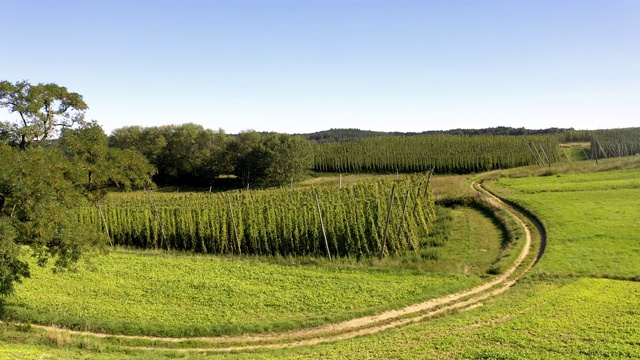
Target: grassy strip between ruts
{"x": 587, "y": 318}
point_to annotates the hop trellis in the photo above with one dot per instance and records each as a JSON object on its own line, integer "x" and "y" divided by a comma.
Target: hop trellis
{"x": 448, "y": 153}
{"x": 274, "y": 222}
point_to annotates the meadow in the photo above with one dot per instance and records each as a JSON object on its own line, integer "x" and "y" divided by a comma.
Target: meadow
{"x": 180, "y": 294}
{"x": 537, "y": 319}
{"x": 581, "y": 300}
{"x": 139, "y": 294}
{"x": 592, "y": 219}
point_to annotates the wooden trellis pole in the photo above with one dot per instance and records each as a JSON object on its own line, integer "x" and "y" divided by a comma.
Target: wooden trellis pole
{"x": 386, "y": 226}
{"x": 326, "y": 242}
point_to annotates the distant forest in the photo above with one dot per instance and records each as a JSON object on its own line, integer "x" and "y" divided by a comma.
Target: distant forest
{"x": 340, "y": 135}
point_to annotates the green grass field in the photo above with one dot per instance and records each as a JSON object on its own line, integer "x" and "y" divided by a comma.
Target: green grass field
{"x": 581, "y": 301}
{"x": 592, "y": 220}
{"x": 575, "y": 151}
{"x": 142, "y": 293}
{"x": 560, "y": 319}
{"x": 537, "y": 320}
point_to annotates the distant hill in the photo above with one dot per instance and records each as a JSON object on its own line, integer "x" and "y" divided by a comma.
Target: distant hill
{"x": 340, "y": 135}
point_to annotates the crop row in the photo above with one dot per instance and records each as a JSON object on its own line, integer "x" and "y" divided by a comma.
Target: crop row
{"x": 357, "y": 220}
{"x": 615, "y": 143}
{"x": 447, "y": 153}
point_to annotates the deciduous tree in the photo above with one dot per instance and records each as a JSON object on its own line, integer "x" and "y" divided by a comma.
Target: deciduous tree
{"x": 37, "y": 198}
{"x": 99, "y": 166}
{"x": 40, "y": 188}
{"x": 43, "y": 111}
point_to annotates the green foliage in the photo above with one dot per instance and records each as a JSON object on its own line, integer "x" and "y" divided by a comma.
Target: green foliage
{"x": 339, "y": 135}
{"x": 99, "y": 166}
{"x": 269, "y": 160}
{"x": 149, "y": 141}
{"x": 44, "y": 109}
{"x": 192, "y": 155}
{"x": 183, "y": 154}
{"x": 12, "y": 268}
{"x": 37, "y": 196}
{"x": 272, "y": 222}
{"x": 248, "y": 157}
{"x": 40, "y": 188}
{"x": 288, "y": 159}
{"x": 447, "y": 153}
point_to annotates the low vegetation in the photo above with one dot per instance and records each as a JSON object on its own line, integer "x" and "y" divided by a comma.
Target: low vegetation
{"x": 172, "y": 294}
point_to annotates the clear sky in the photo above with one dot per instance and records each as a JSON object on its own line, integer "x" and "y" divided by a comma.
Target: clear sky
{"x": 308, "y": 65}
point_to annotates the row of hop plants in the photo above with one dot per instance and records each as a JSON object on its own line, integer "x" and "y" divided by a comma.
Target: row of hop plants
{"x": 283, "y": 221}
{"x": 615, "y": 143}
{"x": 448, "y": 153}
{"x": 608, "y": 142}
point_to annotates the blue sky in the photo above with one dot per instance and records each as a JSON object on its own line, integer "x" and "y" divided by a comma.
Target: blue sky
{"x": 310, "y": 65}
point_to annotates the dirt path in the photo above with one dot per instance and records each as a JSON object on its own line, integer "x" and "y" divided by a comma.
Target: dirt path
{"x": 361, "y": 326}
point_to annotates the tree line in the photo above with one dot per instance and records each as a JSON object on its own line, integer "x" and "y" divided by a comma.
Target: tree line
{"x": 342, "y": 135}
{"x": 189, "y": 154}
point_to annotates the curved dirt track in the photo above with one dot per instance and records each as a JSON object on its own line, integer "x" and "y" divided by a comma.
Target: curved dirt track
{"x": 364, "y": 325}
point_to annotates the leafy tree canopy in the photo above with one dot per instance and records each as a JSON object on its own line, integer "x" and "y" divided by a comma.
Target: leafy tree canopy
{"x": 43, "y": 111}
{"x": 149, "y": 141}
{"x": 191, "y": 155}
{"x": 40, "y": 187}
{"x": 186, "y": 154}
{"x": 97, "y": 166}
{"x": 289, "y": 159}
{"x": 269, "y": 160}
{"x": 37, "y": 197}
